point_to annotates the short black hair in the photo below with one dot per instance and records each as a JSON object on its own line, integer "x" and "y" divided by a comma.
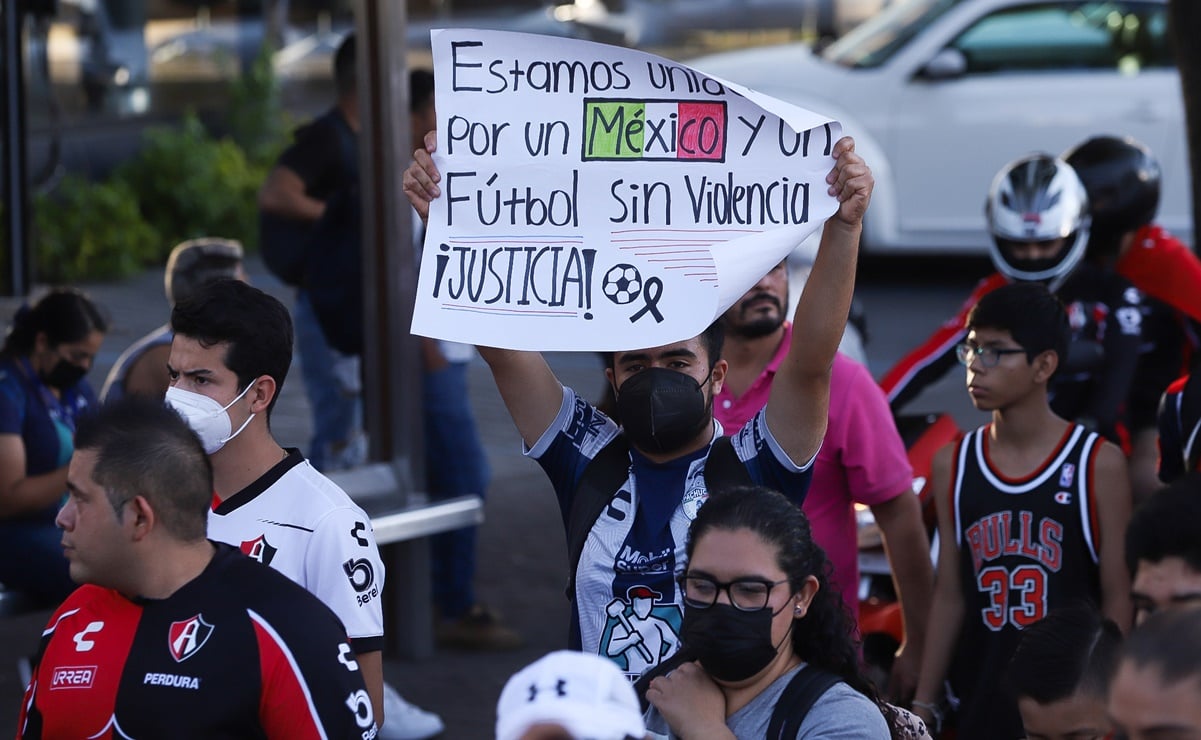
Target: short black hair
{"x": 1074, "y": 649}
{"x": 421, "y": 89}
{"x": 346, "y": 66}
{"x": 144, "y": 448}
{"x": 255, "y": 325}
{"x": 1033, "y": 316}
{"x": 1170, "y": 642}
{"x": 712, "y": 339}
{"x": 64, "y": 315}
{"x": 1168, "y": 524}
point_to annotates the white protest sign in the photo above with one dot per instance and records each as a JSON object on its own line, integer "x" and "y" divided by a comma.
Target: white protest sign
{"x": 600, "y": 198}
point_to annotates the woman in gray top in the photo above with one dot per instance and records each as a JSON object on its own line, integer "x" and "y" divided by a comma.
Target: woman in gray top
{"x": 758, "y": 609}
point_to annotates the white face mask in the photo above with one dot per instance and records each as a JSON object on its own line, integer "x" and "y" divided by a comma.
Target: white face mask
{"x": 208, "y": 418}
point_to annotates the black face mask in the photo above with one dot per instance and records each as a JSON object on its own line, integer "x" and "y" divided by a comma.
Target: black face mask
{"x": 63, "y": 375}
{"x": 732, "y": 645}
{"x": 661, "y": 410}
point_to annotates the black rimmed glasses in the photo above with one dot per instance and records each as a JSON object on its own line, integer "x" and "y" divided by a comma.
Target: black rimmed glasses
{"x": 746, "y": 594}
{"x": 988, "y": 356}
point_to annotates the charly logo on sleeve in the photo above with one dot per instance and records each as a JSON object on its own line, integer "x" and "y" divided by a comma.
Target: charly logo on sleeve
{"x": 82, "y": 643}
{"x": 186, "y": 637}
{"x": 259, "y": 549}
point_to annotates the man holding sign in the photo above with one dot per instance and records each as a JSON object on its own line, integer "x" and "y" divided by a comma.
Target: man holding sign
{"x": 665, "y": 402}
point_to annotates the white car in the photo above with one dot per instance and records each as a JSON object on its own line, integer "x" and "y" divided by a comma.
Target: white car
{"x": 940, "y": 94}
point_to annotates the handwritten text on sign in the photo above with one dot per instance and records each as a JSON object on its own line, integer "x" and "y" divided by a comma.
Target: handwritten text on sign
{"x": 601, "y": 198}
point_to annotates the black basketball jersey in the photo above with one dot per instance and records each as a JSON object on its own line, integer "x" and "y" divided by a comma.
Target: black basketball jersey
{"x": 1026, "y": 546}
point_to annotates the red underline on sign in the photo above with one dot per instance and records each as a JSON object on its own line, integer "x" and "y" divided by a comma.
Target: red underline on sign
{"x": 691, "y": 262}
{"x": 518, "y": 311}
{"x": 517, "y": 241}
{"x": 687, "y": 231}
{"x": 667, "y": 243}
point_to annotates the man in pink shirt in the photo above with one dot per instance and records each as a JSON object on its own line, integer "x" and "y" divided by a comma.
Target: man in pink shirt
{"x": 862, "y": 460}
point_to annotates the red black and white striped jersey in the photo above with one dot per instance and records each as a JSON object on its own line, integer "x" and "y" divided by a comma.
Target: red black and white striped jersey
{"x": 238, "y": 652}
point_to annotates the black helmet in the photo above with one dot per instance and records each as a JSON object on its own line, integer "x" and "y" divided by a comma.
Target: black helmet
{"x": 1122, "y": 178}
{"x": 1034, "y": 199}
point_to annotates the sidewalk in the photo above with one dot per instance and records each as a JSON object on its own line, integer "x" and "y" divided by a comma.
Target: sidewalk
{"x": 522, "y": 555}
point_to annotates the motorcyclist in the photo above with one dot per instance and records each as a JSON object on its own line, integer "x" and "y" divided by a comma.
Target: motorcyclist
{"x": 1038, "y": 216}
{"x": 1122, "y": 178}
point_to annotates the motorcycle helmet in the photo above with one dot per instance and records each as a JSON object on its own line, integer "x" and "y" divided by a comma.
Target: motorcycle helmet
{"x": 1122, "y": 178}
{"x": 1037, "y": 198}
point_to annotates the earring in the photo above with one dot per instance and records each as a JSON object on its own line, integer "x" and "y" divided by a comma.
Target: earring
{"x": 800, "y": 610}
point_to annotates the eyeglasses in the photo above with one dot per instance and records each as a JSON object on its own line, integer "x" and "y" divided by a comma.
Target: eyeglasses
{"x": 988, "y": 356}
{"x": 746, "y": 594}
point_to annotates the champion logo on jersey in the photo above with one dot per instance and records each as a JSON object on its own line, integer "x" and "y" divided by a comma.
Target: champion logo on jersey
{"x": 1063, "y": 497}
{"x": 259, "y": 549}
{"x": 186, "y": 637}
{"x": 1066, "y": 475}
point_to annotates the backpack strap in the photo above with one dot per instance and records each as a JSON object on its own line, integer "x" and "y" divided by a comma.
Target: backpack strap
{"x": 799, "y": 696}
{"x": 723, "y": 468}
{"x": 600, "y": 482}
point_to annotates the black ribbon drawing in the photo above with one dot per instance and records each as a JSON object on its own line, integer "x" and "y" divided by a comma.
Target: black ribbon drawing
{"x": 651, "y": 291}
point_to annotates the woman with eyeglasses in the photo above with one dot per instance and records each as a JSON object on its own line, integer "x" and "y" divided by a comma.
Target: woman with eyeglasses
{"x": 759, "y": 610}
{"x": 47, "y": 352}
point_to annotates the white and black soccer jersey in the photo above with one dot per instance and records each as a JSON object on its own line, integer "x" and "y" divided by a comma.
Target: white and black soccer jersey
{"x": 625, "y": 581}
{"x": 1025, "y": 547}
{"x": 302, "y": 524}
{"x": 237, "y": 652}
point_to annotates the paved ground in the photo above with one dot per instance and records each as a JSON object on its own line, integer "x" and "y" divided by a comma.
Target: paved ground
{"x": 522, "y": 568}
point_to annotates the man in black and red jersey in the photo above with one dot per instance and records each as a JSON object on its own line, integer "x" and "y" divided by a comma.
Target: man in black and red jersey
{"x": 1122, "y": 178}
{"x": 173, "y": 635}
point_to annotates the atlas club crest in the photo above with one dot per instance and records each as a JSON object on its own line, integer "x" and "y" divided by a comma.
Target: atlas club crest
{"x": 186, "y": 637}
{"x": 259, "y": 549}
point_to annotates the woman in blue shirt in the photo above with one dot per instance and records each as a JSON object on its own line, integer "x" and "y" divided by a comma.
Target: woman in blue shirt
{"x": 47, "y": 351}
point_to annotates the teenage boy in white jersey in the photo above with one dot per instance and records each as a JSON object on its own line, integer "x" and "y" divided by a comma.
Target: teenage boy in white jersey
{"x": 230, "y": 355}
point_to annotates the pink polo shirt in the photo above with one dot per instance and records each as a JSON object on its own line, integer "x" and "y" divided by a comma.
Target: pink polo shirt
{"x": 862, "y": 459}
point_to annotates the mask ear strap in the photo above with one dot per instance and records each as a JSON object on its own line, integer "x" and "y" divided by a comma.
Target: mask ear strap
{"x": 244, "y": 425}
{"x": 239, "y": 398}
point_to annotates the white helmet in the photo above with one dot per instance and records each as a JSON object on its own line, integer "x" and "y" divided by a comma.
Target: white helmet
{"x": 1033, "y": 199}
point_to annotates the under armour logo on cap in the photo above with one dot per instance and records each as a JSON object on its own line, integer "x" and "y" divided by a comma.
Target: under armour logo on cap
{"x": 585, "y": 694}
{"x": 560, "y": 689}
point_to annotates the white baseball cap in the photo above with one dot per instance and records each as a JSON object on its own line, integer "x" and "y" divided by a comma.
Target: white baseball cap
{"x": 587, "y": 694}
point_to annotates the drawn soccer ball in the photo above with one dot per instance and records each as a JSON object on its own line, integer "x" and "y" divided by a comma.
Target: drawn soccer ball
{"x": 622, "y": 284}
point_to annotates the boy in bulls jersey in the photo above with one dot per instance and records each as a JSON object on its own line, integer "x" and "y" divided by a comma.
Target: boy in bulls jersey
{"x": 1031, "y": 511}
